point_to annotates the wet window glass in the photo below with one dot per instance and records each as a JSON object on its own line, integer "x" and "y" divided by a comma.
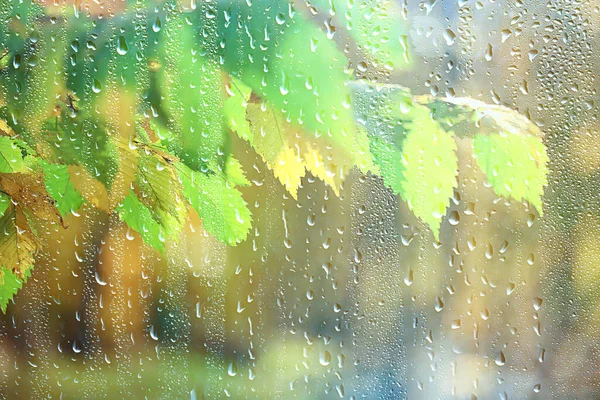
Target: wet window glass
{"x": 271, "y": 199}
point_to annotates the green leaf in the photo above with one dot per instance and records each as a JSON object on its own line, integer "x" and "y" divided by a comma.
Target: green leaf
{"x": 224, "y": 212}
{"x": 191, "y": 87}
{"x": 291, "y": 63}
{"x": 514, "y": 164}
{"x": 60, "y": 188}
{"x": 372, "y": 23}
{"x": 416, "y": 157}
{"x": 83, "y": 141}
{"x": 269, "y": 131}
{"x": 139, "y": 218}
{"x": 508, "y": 146}
{"x": 161, "y": 191}
{"x": 235, "y": 172}
{"x": 430, "y": 168}
{"x": 383, "y": 111}
{"x": 466, "y": 117}
{"x": 387, "y": 156}
{"x": 10, "y": 284}
{"x": 4, "y": 203}
{"x": 234, "y": 109}
{"x": 11, "y": 157}
{"x": 43, "y": 81}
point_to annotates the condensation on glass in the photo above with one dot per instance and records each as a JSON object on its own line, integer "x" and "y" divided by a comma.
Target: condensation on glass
{"x": 309, "y": 200}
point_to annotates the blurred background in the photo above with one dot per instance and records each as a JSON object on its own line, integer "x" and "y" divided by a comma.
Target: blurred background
{"x": 351, "y": 296}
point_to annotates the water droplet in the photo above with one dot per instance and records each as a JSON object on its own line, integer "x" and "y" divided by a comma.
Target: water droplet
{"x": 454, "y": 218}
{"x": 408, "y": 279}
{"x": 325, "y": 358}
{"x": 96, "y": 86}
{"x": 500, "y": 359}
{"x": 489, "y": 52}
{"x": 122, "y": 48}
{"x": 232, "y": 369}
{"x": 439, "y": 304}
{"x": 157, "y": 25}
{"x": 99, "y": 280}
{"x": 449, "y": 36}
{"x": 77, "y": 347}
{"x": 153, "y": 333}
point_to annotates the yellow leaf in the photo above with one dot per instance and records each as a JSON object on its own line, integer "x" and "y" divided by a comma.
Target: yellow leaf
{"x": 28, "y": 192}
{"x": 17, "y": 242}
{"x": 323, "y": 169}
{"x": 288, "y": 149}
{"x": 289, "y": 169}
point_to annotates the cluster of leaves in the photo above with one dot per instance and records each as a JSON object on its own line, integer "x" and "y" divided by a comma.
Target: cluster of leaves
{"x": 31, "y": 190}
{"x": 134, "y": 115}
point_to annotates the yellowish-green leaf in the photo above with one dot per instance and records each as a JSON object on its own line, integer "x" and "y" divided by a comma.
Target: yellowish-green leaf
{"x": 91, "y": 189}
{"x": 161, "y": 191}
{"x": 11, "y": 157}
{"x": 235, "y": 172}
{"x": 514, "y": 164}
{"x": 234, "y": 109}
{"x": 158, "y": 182}
{"x": 28, "y": 191}
{"x": 127, "y": 156}
{"x": 430, "y": 168}
{"x": 269, "y": 131}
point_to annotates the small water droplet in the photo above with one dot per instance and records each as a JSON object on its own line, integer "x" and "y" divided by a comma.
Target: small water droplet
{"x": 449, "y": 36}
{"x": 325, "y": 358}
{"x": 489, "y": 52}
{"x": 454, "y": 218}
{"x": 232, "y": 369}
{"x": 408, "y": 279}
{"x": 439, "y": 304}
{"x": 500, "y": 359}
{"x": 157, "y": 25}
{"x": 153, "y": 333}
{"x": 96, "y": 86}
